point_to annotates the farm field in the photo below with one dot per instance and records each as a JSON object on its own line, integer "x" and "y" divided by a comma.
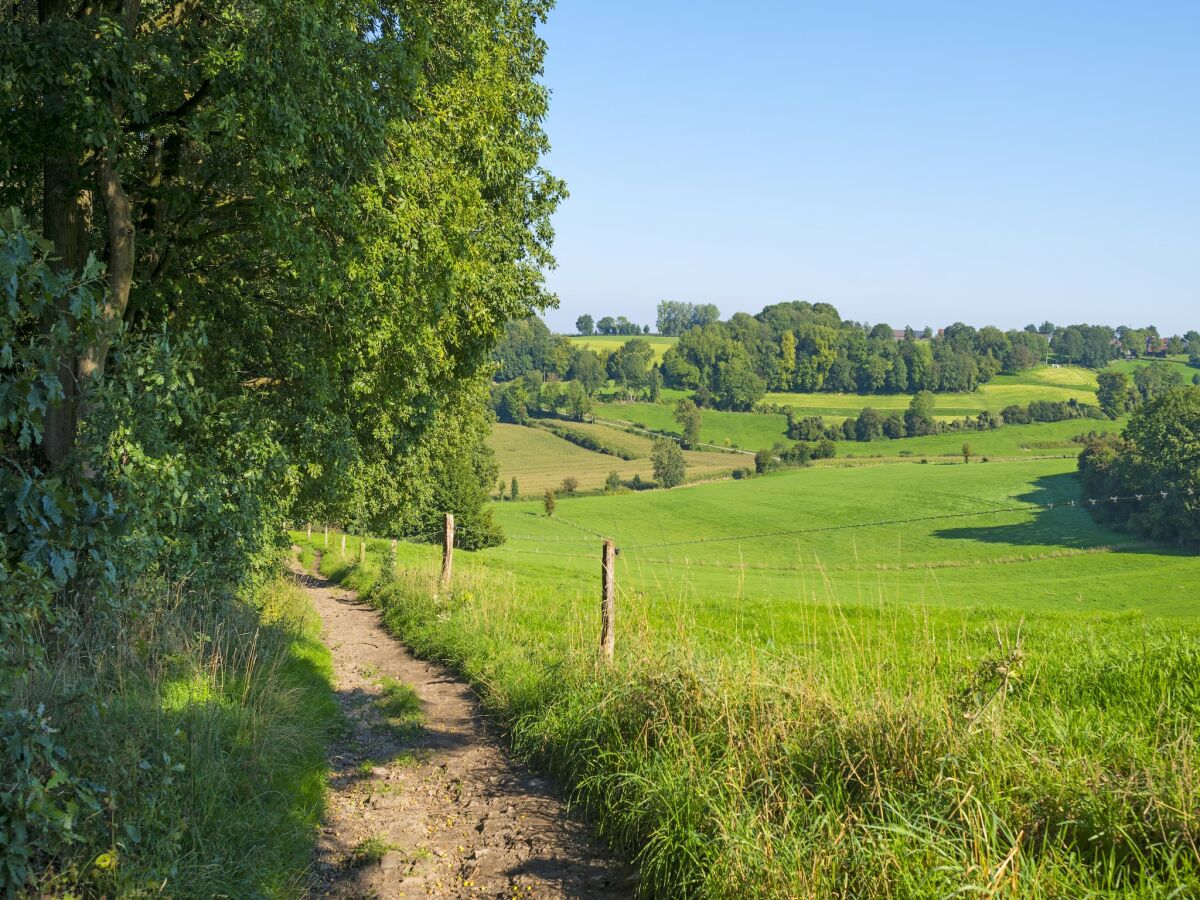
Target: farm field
{"x": 748, "y": 431}
{"x": 659, "y": 343}
{"x": 1043, "y": 383}
{"x": 541, "y": 460}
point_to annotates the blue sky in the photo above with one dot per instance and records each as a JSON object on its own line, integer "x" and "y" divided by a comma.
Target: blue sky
{"x": 910, "y": 162}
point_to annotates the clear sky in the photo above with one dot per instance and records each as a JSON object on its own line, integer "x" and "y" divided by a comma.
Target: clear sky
{"x": 910, "y": 162}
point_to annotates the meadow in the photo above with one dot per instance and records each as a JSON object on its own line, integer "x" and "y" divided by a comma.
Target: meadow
{"x": 904, "y": 680}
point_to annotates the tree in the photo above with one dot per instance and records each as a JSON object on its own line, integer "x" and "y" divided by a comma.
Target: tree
{"x": 612, "y": 483}
{"x": 570, "y": 484}
{"x": 667, "y": 460}
{"x": 629, "y": 367}
{"x": 578, "y": 403}
{"x": 787, "y": 361}
{"x": 764, "y": 461}
{"x": 737, "y": 386}
{"x": 514, "y": 404}
{"x": 966, "y": 452}
{"x": 335, "y": 176}
{"x": 918, "y": 418}
{"x": 587, "y": 369}
{"x": 1156, "y": 379}
{"x": 585, "y": 325}
{"x": 705, "y": 314}
{"x": 1114, "y": 393}
{"x": 689, "y": 417}
{"x": 607, "y": 325}
{"x": 500, "y": 490}
{"x": 869, "y": 425}
{"x": 514, "y": 491}
{"x": 548, "y": 501}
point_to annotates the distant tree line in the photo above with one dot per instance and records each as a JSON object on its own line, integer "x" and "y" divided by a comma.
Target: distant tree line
{"x": 807, "y": 347}
{"x": 588, "y": 326}
{"x": 1156, "y": 459}
{"x": 675, "y": 317}
{"x": 919, "y": 420}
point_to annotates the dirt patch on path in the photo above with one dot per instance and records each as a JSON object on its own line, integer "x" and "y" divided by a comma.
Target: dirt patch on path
{"x": 435, "y": 809}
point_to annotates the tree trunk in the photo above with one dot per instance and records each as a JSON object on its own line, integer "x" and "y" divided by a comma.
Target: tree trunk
{"x": 66, "y": 220}
{"x": 120, "y": 238}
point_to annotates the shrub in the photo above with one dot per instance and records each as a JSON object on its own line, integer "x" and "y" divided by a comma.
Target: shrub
{"x": 570, "y": 484}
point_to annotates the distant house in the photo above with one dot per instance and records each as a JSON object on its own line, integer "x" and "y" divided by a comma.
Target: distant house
{"x": 899, "y": 333}
{"x": 1156, "y": 346}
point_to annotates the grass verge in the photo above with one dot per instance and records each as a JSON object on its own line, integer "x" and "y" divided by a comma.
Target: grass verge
{"x": 196, "y": 730}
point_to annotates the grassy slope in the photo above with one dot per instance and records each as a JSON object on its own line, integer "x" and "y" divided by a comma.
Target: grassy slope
{"x": 1051, "y": 559}
{"x": 208, "y": 732}
{"x": 598, "y": 342}
{"x": 540, "y": 460}
{"x": 898, "y": 711}
{"x": 746, "y": 430}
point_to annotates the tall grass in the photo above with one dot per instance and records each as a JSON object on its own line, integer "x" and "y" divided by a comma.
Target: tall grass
{"x": 878, "y": 750}
{"x": 201, "y": 724}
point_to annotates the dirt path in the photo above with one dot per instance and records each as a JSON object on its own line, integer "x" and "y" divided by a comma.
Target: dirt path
{"x": 435, "y": 809}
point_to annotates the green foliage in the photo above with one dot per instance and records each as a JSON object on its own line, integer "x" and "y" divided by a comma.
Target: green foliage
{"x": 674, "y": 317}
{"x": 1156, "y": 461}
{"x": 918, "y": 418}
{"x": 670, "y": 468}
{"x": 548, "y": 501}
{"x": 612, "y": 483}
{"x": 1114, "y": 393}
{"x": 690, "y": 418}
{"x": 585, "y": 325}
{"x": 40, "y": 802}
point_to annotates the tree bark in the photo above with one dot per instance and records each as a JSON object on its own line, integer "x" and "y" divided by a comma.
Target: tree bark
{"x": 66, "y": 220}
{"x": 121, "y": 254}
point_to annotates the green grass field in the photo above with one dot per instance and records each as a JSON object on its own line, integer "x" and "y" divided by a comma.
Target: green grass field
{"x": 1050, "y": 559}
{"x": 873, "y": 682}
{"x": 660, "y": 343}
{"x": 727, "y": 429}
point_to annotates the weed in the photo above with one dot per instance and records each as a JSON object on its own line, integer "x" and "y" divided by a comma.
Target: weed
{"x": 370, "y": 850}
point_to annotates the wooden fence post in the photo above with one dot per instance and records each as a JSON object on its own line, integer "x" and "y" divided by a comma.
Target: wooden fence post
{"x": 608, "y": 612}
{"x": 326, "y": 535}
{"x": 362, "y": 549}
{"x": 310, "y": 531}
{"x": 448, "y": 549}
{"x": 343, "y": 543}
{"x": 393, "y": 556}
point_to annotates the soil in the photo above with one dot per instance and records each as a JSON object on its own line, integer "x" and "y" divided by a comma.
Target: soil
{"x": 436, "y": 809}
